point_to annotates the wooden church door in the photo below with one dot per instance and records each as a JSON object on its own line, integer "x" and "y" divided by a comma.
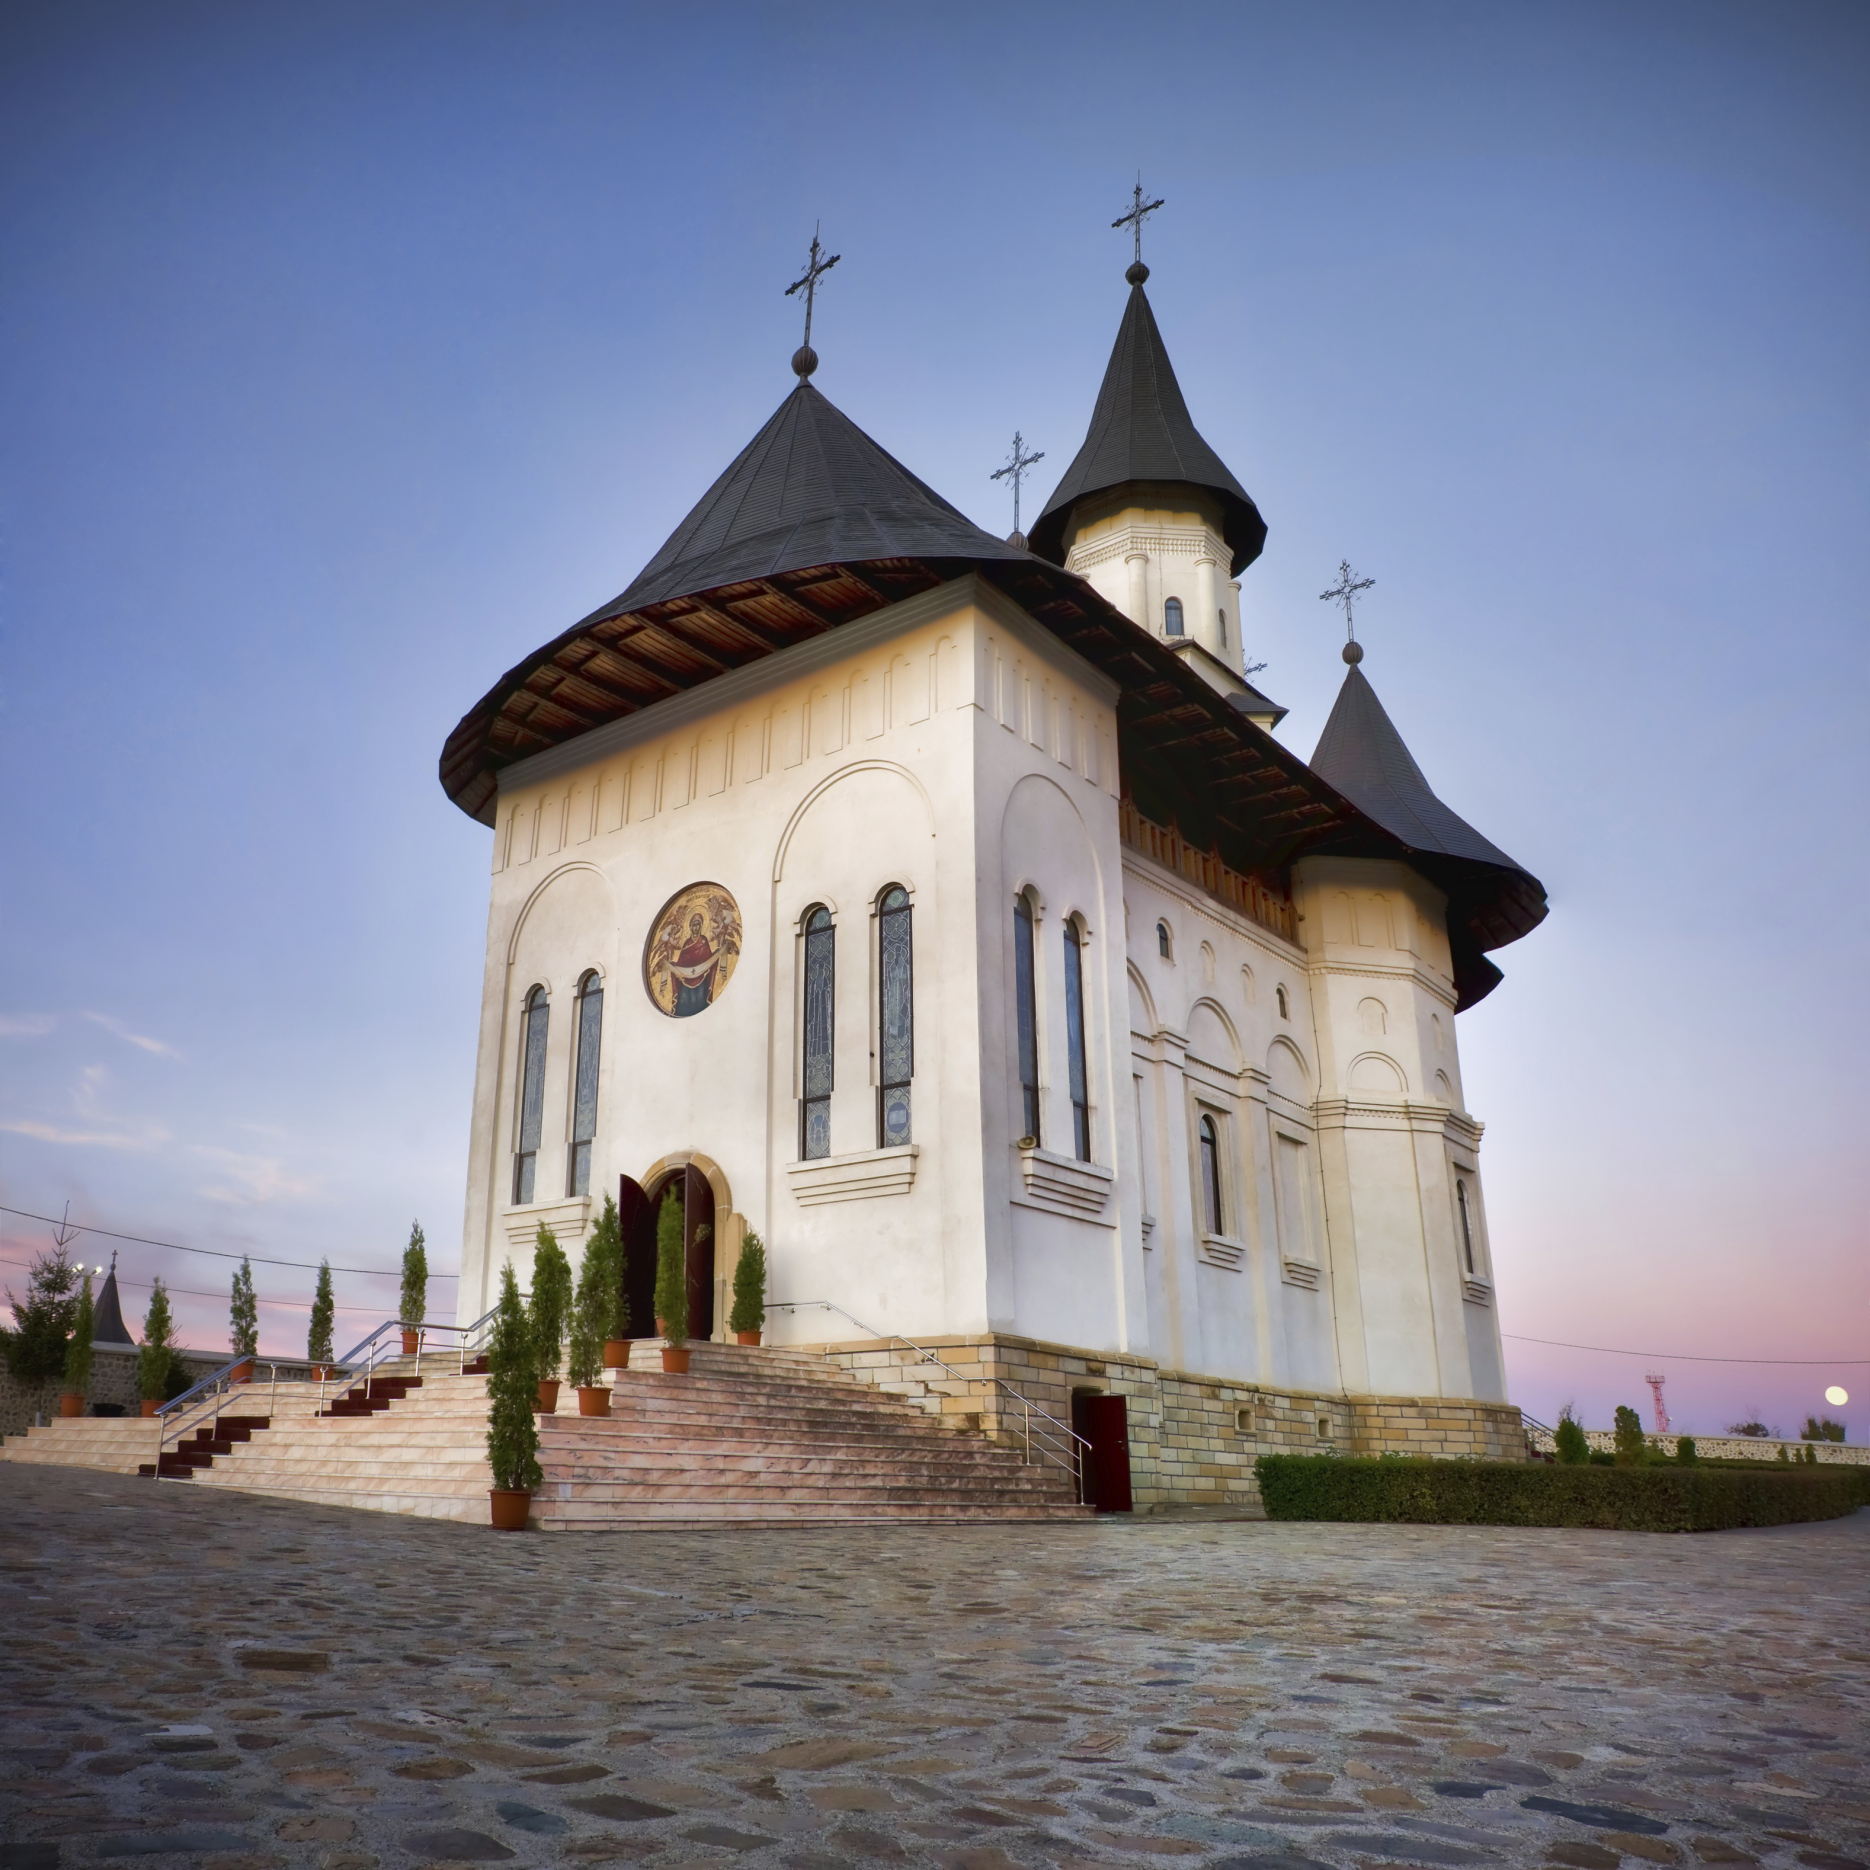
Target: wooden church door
{"x": 638, "y": 1218}
{"x": 637, "y": 1209}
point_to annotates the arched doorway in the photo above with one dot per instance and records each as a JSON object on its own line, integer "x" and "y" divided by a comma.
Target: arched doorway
{"x": 638, "y": 1208}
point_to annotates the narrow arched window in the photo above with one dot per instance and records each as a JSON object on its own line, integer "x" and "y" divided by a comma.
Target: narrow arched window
{"x": 815, "y": 1073}
{"x": 533, "y": 1022}
{"x": 1467, "y": 1224}
{"x": 1074, "y": 1041}
{"x": 896, "y": 1041}
{"x": 1027, "y": 1016}
{"x": 1285, "y": 1009}
{"x": 1172, "y": 617}
{"x": 1165, "y": 946}
{"x": 1211, "y": 1176}
{"x": 1223, "y": 617}
{"x": 584, "y": 1083}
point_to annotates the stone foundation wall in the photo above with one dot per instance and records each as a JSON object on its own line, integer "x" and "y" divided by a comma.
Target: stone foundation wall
{"x": 113, "y": 1380}
{"x": 1193, "y": 1439}
{"x": 1719, "y": 1447}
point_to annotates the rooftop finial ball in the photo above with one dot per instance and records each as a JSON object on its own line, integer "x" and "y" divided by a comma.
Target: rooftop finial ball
{"x": 1837, "y": 1395}
{"x": 804, "y": 361}
{"x": 1353, "y": 653}
{"x": 1136, "y": 272}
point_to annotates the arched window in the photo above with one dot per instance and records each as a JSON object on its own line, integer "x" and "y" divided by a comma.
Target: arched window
{"x": 1027, "y": 1015}
{"x": 1172, "y": 617}
{"x": 1467, "y": 1224}
{"x": 584, "y": 1084}
{"x": 1223, "y": 617}
{"x": 1285, "y": 1009}
{"x": 1211, "y": 1176}
{"x": 532, "y": 1029}
{"x": 815, "y": 1072}
{"x": 1165, "y": 945}
{"x": 896, "y": 1040}
{"x": 1074, "y": 1041}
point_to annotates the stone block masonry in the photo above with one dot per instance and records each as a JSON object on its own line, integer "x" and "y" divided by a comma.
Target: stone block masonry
{"x": 1717, "y": 1447}
{"x": 113, "y": 1380}
{"x": 1193, "y": 1439}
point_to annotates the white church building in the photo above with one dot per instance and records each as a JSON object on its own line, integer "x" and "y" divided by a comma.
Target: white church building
{"x": 947, "y": 909}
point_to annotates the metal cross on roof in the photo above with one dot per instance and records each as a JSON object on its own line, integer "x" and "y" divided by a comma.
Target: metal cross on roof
{"x": 805, "y": 359}
{"x": 1345, "y": 593}
{"x": 1017, "y": 464}
{"x": 1139, "y": 212}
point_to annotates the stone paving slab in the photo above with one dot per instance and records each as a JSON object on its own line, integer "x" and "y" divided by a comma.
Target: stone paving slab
{"x": 204, "y": 1678}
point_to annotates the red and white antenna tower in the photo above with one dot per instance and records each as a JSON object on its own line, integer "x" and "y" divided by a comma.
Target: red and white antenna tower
{"x": 1655, "y": 1389}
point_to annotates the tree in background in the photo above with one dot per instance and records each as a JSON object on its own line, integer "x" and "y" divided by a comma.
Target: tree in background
{"x": 42, "y": 1321}
{"x": 1822, "y": 1428}
{"x": 1755, "y": 1431}
{"x": 1685, "y": 1450}
{"x": 324, "y": 1314}
{"x": 550, "y": 1310}
{"x": 155, "y": 1362}
{"x": 600, "y": 1311}
{"x": 512, "y": 1394}
{"x": 1568, "y": 1438}
{"x": 243, "y": 1314}
{"x": 413, "y": 1306}
{"x": 78, "y": 1351}
{"x": 1632, "y": 1448}
{"x": 671, "y": 1272}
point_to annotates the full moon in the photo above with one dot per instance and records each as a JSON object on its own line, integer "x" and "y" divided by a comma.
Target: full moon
{"x": 1837, "y": 1395}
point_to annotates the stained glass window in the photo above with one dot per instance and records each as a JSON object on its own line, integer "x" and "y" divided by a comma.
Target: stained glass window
{"x": 1211, "y": 1175}
{"x": 1172, "y": 617}
{"x": 1028, "y": 1016}
{"x": 815, "y": 1077}
{"x": 896, "y": 1044}
{"x": 1164, "y": 946}
{"x": 533, "y": 1022}
{"x": 1074, "y": 1040}
{"x": 584, "y": 1086}
{"x": 1467, "y": 1226}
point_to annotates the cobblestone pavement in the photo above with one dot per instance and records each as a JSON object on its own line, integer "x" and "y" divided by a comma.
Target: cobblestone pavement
{"x": 215, "y": 1679}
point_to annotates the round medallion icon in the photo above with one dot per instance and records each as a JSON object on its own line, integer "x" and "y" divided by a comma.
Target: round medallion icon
{"x": 692, "y": 948}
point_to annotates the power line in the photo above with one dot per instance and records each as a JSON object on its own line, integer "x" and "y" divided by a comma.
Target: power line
{"x": 1817, "y": 1363}
{"x": 186, "y": 1292}
{"x": 175, "y": 1246}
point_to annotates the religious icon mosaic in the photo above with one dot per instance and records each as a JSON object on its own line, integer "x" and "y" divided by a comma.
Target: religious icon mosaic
{"x": 692, "y": 948}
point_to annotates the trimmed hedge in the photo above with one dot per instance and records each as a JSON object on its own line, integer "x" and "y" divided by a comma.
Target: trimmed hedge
{"x": 1510, "y": 1493}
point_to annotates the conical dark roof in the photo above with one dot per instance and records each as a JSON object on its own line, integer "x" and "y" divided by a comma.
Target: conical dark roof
{"x": 1141, "y": 431}
{"x": 107, "y": 1325}
{"x": 810, "y": 489}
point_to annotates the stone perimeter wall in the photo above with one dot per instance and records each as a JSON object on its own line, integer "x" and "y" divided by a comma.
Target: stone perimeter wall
{"x": 1719, "y": 1447}
{"x": 1193, "y": 1439}
{"x": 113, "y": 1380}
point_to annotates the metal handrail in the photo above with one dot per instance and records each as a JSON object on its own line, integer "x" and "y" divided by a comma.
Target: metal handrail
{"x": 1066, "y": 1446}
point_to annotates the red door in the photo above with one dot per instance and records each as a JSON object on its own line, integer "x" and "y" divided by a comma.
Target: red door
{"x": 638, "y": 1218}
{"x": 1104, "y": 1421}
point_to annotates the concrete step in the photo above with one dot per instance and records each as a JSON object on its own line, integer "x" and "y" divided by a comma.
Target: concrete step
{"x": 109, "y": 1444}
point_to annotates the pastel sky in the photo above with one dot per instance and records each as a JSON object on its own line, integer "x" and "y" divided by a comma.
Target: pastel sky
{"x": 351, "y": 351}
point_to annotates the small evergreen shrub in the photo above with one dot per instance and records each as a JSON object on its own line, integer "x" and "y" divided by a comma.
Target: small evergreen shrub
{"x": 1632, "y": 1449}
{"x": 1568, "y": 1440}
{"x": 600, "y": 1309}
{"x": 1685, "y": 1450}
{"x": 243, "y": 1313}
{"x": 550, "y": 1309}
{"x": 324, "y": 1313}
{"x": 512, "y": 1393}
{"x": 412, "y": 1306}
{"x": 671, "y": 1271}
{"x": 749, "y": 1312}
{"x": 42, "y": 1320}
{"x": 156, "y": 1362}
{"x": 1658, "y": 1498}
{"x": 1755, "y": 1431}
{"x": 1822, "y": 1428}
{"x": 78, "y": 1351}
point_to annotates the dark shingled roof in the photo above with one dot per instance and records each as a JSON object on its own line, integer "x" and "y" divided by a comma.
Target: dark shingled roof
{"x": 107, "y": 1325}
{"x": 810, "y": 489}
{"x": 1141, "y": 431}
{"x": 1492, "y": 900}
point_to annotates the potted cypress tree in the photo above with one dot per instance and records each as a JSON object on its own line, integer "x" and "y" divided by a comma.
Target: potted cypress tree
{"x": 78, "y": 1356}
{"x": 549, "y": 1313}
{"x": 243, "y": 1324}
{"x": 749, "y": 1313}
{"x": 155, "y": 1362}
{"x": 593, "y": 1314}
{"x": 512, "y": 1393}
{"x": 318, "y": 1349}
{"x": 610, "y": 1302}
{"x": 672, "y": 1286}
{"x": 414, "y": 1305}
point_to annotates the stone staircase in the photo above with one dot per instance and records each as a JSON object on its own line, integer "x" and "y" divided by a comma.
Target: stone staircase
{"x": 113, "y": 1444}
{"x": 747, "y": 1436}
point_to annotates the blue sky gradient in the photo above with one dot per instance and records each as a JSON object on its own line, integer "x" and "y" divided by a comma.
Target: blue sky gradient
{"x": 352, "y": 351}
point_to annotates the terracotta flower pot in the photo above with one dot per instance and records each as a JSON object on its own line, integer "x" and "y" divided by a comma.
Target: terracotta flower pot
{"x": 150, "y": 1405}
{"x": 675, "y": 1360}
{"x": 511, "y": 1505}
{"x": 321, "y": 1373}
{"x": 593, "y": 1401}
{"x": 746, "y": 1337}
{"x": 662, "y": 1330}
{"x": 242, "y": 1372}
{"x": 71, "y": 1405}
{"x": 548, "y": 1395}
{"x": 412, "y": 1343}
{"x": 616, "y": 1353}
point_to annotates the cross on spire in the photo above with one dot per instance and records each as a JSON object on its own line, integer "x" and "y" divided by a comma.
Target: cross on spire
{"x": 1140, "y": 211}
{"x": 818, "y": 263}
{"x": 1345, "y": 592}
{"x": 1017, "y": 464}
